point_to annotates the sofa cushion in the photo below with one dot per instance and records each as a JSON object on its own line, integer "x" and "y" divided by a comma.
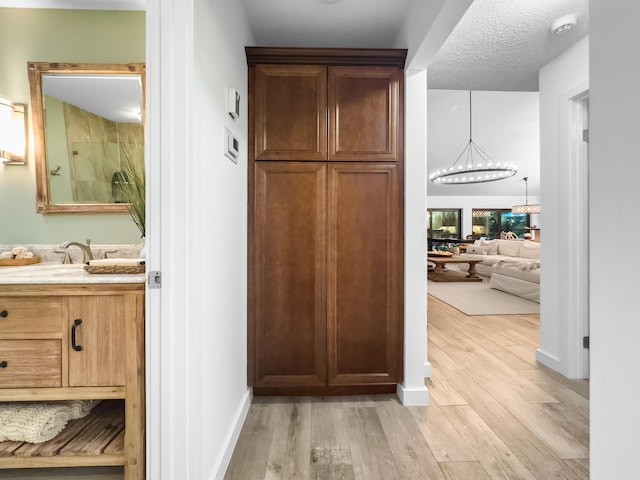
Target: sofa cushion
{"x": 478, "y": 250}
{"x": 486, "y": 259}
{"x": 527, "y": 271}
{"x": 530, "y": 250}
{"x": 510, "y": 248}
{"x": 516, "y": 286}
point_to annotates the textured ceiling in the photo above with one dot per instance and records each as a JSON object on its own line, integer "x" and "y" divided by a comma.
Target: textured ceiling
{"x": 502, "y": 44}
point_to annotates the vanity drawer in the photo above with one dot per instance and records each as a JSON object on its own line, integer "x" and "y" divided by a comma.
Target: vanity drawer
{"x": 30, "y": 363}
{"x": 32, "y": 317}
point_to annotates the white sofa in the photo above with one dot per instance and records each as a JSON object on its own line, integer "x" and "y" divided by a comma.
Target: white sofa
{"x": 512, "y": 265}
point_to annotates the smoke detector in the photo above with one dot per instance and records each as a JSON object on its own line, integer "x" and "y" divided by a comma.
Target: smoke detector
{"x": 564, "y": 23}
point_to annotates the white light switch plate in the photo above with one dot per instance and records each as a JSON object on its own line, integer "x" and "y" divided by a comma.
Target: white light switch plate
{"x": 231, "y": 145}
{"x": 233, "y": 102}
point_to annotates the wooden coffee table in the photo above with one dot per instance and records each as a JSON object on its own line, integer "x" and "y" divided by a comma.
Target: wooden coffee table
{"x": 441, "y": 274}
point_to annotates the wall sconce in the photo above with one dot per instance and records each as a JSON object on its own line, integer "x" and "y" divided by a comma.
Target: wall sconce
{"x": 13, "y": 132}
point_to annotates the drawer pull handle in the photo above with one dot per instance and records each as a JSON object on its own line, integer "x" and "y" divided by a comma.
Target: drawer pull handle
{"x": 4, "y": 364}
{"x": 4, "y": 314}
{"x": 76, "y": 323}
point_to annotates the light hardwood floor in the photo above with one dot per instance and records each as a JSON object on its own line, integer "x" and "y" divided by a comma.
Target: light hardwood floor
{"x": 493, "y": 414}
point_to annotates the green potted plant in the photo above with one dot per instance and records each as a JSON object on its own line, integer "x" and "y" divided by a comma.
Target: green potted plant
{"x": 133, "y": 184}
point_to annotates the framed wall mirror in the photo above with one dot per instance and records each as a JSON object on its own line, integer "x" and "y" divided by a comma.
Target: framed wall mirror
{"x": 86, "y": 118}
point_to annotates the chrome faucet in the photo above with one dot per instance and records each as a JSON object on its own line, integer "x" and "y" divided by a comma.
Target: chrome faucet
{"x": 86, "y": 249}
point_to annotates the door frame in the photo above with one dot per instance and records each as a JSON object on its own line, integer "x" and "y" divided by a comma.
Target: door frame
{"x": 577, "y": 243}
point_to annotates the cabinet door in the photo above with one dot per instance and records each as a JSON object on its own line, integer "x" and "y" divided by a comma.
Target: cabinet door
{"x": 290, "y": 112}
{"x": 365, "y": 113}
{"x": 289, "y": 246}
{"x": 100, "y": 339}
{"x": 364, "y": 274}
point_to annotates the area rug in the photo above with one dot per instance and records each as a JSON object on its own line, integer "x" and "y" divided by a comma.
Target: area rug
{"x": 477, "y": 298}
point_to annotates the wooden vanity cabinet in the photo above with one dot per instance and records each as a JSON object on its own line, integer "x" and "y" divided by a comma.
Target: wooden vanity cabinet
{"x": 325, "y": 220}
{"x": 72, "y": 342}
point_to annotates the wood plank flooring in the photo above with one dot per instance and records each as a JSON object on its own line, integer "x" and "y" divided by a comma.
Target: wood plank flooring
{"x": 494, "y": 413}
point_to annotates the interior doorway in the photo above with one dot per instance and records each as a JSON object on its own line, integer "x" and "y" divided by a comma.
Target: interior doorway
{"x": 579, "y": 207}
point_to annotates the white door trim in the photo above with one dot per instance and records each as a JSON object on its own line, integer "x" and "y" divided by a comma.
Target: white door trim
{"x": 577, "y": 243}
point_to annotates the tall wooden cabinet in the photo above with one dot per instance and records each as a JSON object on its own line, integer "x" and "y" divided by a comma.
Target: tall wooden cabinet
{"x": 326, "y": 175}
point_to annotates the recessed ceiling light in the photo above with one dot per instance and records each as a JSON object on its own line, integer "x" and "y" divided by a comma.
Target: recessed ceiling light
{"x": 564, "y": 23}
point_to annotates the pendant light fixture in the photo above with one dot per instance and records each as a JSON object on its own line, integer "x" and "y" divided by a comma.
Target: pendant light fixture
{"x": 526, "y": 208}
{"x": 473, "y": 165}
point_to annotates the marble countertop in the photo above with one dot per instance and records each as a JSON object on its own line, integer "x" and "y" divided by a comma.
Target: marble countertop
{"x": 52, "y": 273}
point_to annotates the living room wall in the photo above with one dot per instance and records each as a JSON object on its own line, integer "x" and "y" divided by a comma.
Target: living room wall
{"x": 506, "y": 125}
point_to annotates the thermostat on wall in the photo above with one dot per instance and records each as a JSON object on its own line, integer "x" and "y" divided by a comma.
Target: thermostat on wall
{"x": 231, "y": 145}
{"x": 233, "y": 102}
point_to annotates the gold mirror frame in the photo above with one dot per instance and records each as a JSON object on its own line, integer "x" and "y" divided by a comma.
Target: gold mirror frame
{"x": 36, "y": 70}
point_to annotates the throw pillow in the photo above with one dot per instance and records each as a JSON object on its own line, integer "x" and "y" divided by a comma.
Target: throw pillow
{"x": 493, "y": 246}
{"x": 510, "y": 248}
{"x": 478, "y": 250}
{"x": 530, "y": 250}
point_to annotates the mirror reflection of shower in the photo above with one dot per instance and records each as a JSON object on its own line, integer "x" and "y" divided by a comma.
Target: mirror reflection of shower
{"x": 91, "y": 149}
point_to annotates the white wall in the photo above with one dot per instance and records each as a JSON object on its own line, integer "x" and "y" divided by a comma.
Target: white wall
{"x": 467, "y": 204}
{"x": 416, "y": 366}
{"x": 219, "y": 190}
{"x": 614, "y": 169}
{"x": 561, "y": 79}
{"x": 198, "y": 395}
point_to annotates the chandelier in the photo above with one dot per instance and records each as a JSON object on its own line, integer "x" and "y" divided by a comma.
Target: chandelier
{"x": 473, "y": 165}
{"x": 526, "y": 208}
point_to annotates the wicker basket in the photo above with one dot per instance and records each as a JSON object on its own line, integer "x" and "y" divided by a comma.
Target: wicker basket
{"x": 114, "y": 269}
{"x": 17, "y": 262}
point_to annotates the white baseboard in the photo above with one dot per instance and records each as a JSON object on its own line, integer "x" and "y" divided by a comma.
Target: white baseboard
{"x": 233, "y": 434}
{"x": 413, "y": 397}
{"x": 548, "y": 360}
{"x": 427, "y": 370}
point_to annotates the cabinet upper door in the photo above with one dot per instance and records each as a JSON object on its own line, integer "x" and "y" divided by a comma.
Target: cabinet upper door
{"x": 365, "y": 113}
{"x": 289, "y": 270}
{"x": 364, "y": 328}
{"x": 290, "y": 112}
{"x": 100, "y": 354}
